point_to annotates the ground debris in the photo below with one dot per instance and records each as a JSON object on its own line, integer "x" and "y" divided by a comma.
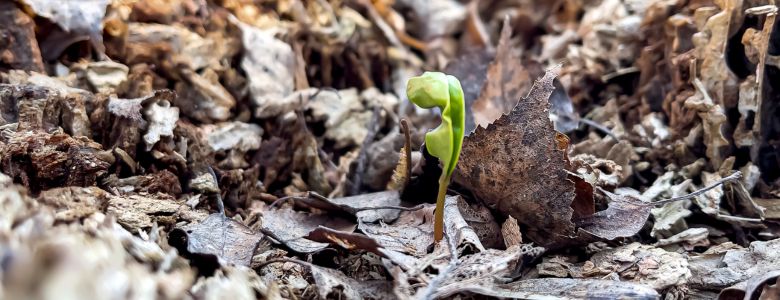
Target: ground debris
{"x": 266, "y": 149}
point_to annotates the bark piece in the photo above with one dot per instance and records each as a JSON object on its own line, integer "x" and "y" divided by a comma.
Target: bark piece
{"x": 42, "y": 161}
{"x": 18, "y": 48}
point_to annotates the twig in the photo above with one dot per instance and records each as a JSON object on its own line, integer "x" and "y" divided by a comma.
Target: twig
{"x": 362, "y": 158}
{"x": 436, "y": 281}
{"x": 734, "y": 176}
{"x": 408, "y": 150}
{"x": 599, "y": 127}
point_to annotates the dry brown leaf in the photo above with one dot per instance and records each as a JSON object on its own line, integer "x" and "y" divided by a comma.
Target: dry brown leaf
{"x": 471, "y": 69}
{"x": 507, "y": 81}
{"x": 411, "y": 233}
{"x": 515, "y": 166}
{"x": 561, "y": 288}
{"x": 365, "y": 207}
{"x": 624, "y": 217}
{"x": 291, "y": 227}
{"x": 227, "y": 239}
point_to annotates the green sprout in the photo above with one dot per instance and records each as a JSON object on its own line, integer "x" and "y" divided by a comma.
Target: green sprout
{"x": 442, "y": 91}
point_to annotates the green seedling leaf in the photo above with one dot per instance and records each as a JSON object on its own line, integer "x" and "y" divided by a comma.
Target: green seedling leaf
{"x": 436, "y": 89}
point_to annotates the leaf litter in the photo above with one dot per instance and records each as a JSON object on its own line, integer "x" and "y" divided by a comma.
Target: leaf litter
{"x": 203, "y": 149}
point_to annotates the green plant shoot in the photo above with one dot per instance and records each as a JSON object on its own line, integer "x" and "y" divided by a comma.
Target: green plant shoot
{"x": 442, "y": 91}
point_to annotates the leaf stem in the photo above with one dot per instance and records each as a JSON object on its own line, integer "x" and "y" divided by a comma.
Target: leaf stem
{"x": 438, "y": 216}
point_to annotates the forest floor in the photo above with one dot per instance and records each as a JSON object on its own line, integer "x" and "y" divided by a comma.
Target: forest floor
{"x": 238, "y": 149}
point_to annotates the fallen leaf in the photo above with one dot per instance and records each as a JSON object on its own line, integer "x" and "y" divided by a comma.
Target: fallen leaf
{"x": 523, "y": 176}
{"x": 654, "y": 267}
{"x": 624, "y": 217}
{"x": 354, "y": 241}
{"x": 484, "y": 266}
{"x": 471, "y": 69}
{"x": 724, "y": 268}
{"x": 291, "y": 227}
{"x": 561, "y": 288}
{"x": 365, "y": 207}
{"x": 507, "y": 82}
{"x": 230, "y": 241}
{"x": 269, "y": 64}
{"x": 411, "y": 233}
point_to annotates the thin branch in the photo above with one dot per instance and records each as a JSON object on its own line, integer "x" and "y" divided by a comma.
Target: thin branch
{"x": 734, "y": 176}
{"x": 408, "y": 149}
{"x": 599, "y": 127}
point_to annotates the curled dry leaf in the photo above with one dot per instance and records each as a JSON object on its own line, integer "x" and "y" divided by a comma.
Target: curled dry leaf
{"x": 227, "y": 239}
{"x": 290, "y": 227}
{"x": 624, "y": 217}
{"x": 365, "y": 207}
{"x": 523, "y": 176}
